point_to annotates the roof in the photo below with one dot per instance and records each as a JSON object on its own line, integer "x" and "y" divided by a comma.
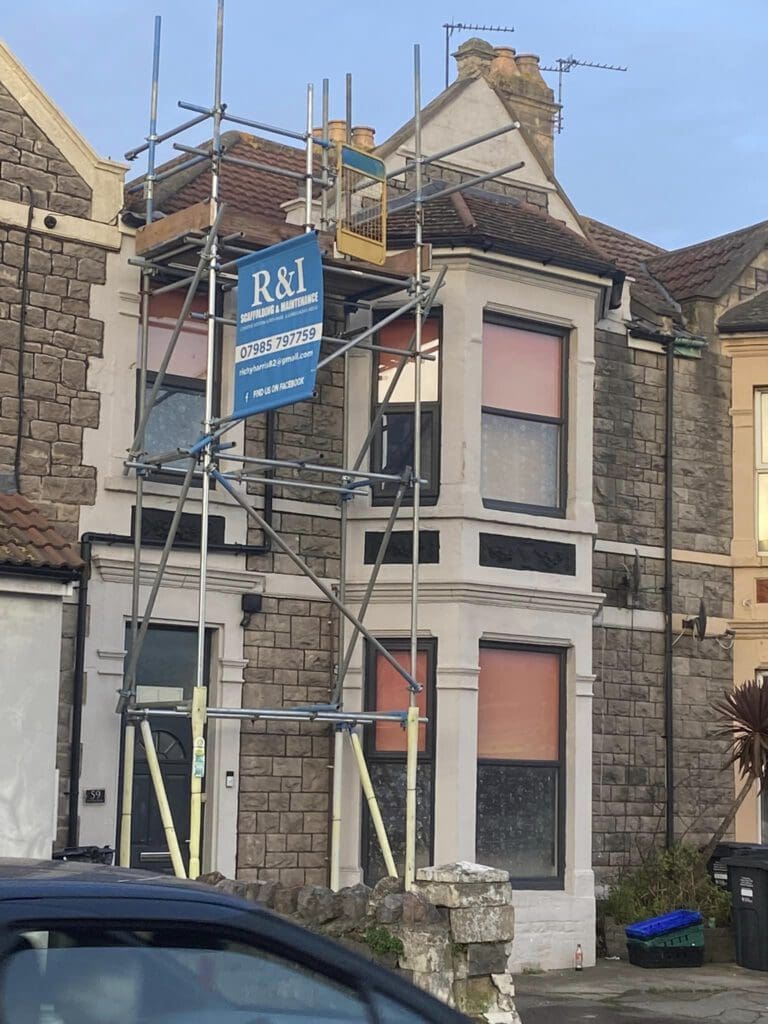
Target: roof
{"x": 41, "y": 877}
{"x": 489, "y": 221}
{"x": 28, "y": 541}
{"x": 247, "y": 189}
{"x": 649, "y": 299}
{"x": 705, "y": 270}
{"x": 751, "y": 315}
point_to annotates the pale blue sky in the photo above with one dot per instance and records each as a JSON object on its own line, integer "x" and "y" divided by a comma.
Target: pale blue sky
{"x": 674, "y": 150}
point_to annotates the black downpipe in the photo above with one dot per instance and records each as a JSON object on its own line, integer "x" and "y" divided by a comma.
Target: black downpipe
{"x": 669, "y": 697}
{"x": 75, "y": 752}
{"x": 20, "y": 382}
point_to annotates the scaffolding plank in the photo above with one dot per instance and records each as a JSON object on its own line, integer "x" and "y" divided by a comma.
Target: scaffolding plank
{"x": 175, "y": 226}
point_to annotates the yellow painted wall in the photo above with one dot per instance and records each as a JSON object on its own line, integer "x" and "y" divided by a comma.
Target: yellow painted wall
{"x": 749, "y": 354}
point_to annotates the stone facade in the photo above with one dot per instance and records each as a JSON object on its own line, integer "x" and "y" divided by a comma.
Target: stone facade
{"x": 46, "y": 277}
{"x": 450, "y": 936}
{"x": 33, "y": 169}
{"x": 629, "y": 801}
{"x": 290, "y": 650}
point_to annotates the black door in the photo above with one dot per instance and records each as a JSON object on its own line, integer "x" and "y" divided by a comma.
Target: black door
{"x": 165, "y": 676}
{"x": 149, "y": 846}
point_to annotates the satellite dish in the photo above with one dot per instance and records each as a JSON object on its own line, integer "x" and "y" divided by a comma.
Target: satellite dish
{"x": 698, "y": 624}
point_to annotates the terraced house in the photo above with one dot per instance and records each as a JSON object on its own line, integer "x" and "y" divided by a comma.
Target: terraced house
{"x": 576, "y": 442}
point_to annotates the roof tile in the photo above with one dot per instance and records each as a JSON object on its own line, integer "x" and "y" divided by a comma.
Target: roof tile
{"x": 27, "y": 539}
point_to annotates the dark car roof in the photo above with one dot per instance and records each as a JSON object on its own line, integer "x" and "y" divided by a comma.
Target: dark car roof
{"x": 62, "y": 878}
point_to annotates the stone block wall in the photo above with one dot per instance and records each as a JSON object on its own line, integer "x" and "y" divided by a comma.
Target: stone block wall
{"x": 30, "y": 161}
{"x": 290, "y": 647}
{"x": 629, "y": 447}
{"x": 629, "y": 795}
{"x": 451, "y": 936}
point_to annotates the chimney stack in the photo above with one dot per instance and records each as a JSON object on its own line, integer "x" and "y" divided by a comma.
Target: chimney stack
{"x": 517, "y": 78}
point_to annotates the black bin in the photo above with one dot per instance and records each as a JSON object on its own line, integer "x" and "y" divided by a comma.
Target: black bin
{"x": 87, "y": 854}
{"x": 716, "y": 866}
{"x": 748, "y": 882}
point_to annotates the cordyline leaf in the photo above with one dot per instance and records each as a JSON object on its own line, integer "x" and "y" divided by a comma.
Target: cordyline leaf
{"x": 744, "y": 714}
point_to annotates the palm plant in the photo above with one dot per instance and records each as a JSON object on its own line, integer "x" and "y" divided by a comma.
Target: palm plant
{"x": 744, "y": 714}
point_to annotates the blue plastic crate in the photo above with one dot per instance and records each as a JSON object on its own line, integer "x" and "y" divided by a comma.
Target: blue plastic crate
{"x": 663, "y": 924}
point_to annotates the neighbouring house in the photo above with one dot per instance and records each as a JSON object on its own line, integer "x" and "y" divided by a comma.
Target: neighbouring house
{"x": 58, "y": 209}
{"x": 714, "y": 291}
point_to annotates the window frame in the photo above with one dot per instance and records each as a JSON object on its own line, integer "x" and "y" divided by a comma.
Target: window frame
{"x": 430, "y": 493}
{"x": 760, "y": 468}
{"x": 188, "y": 385}
{"x": 372, "y": 756}
{"x": 564, "y": 334}
{"x": 556, "y": 881}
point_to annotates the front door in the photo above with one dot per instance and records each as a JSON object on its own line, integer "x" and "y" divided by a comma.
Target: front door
{"x": 165, "y": 674}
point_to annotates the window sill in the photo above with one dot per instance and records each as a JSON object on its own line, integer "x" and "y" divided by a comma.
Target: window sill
{"x": 538, "y": 511}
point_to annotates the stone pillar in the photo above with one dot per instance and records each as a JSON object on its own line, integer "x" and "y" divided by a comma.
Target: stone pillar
{"x": 478, "y": 902}
{"x": 456, "y": 763}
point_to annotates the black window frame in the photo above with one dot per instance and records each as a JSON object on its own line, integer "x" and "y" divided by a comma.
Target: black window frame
{"x": 554, "y": 511}
{"x": 383, "y": 492}
{"x": 372, "y": 756}
{"x": 189, "y": 385}
{"x": 556, "y": 881}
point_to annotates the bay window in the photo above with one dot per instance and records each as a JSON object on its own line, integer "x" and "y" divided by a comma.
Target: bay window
{"x": 520, "y": 768}
{"x": 392, "y": 448}
{"x": 524, "y": 405}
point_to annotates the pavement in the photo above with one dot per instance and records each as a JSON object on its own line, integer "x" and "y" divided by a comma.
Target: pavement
{"x": 615, "y": 992}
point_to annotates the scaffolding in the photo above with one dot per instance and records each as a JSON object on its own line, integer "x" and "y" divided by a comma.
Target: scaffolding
{"x": 199, "y": 247}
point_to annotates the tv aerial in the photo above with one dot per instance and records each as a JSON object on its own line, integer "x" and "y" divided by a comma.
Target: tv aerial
{"x": 563, "y": 66}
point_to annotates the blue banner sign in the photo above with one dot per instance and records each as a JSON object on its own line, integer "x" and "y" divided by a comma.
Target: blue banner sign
{"x": 279, "y": 325}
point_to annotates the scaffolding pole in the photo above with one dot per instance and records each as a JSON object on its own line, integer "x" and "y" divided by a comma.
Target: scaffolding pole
{"x": 412, "y": 730}
{"x": 206, "y": 455}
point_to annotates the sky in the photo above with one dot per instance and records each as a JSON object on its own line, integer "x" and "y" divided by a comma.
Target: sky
{"x": 673, "y": 150}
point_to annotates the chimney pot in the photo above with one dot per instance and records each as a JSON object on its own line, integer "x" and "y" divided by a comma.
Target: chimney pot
{"x": 337, "y": 131}
{"x": 504, "y": 66}
{"x": 363, "y": 138}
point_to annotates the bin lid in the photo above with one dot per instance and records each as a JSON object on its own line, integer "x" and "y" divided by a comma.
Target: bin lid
{"x": 759, "y": 861}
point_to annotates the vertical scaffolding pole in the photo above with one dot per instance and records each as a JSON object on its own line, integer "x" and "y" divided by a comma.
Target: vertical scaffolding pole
{"x": 412, "y": 741}
{"x": 198, "y": 772}
{"x": 130, "y": 682}
{"x": 308, "y": 217}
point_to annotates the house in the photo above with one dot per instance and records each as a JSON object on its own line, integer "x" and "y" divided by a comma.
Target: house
{"x": 58, "y": 207}
{"x": 704, "y": 300}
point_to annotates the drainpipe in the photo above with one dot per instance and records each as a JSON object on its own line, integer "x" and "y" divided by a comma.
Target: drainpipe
{"x": 75, "y": 751}
{"x": 669, "y": 697}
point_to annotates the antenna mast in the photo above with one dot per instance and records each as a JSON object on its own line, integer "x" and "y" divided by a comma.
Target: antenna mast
{"x": 458, "y": 26}
{"x": 563, "y": 66}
